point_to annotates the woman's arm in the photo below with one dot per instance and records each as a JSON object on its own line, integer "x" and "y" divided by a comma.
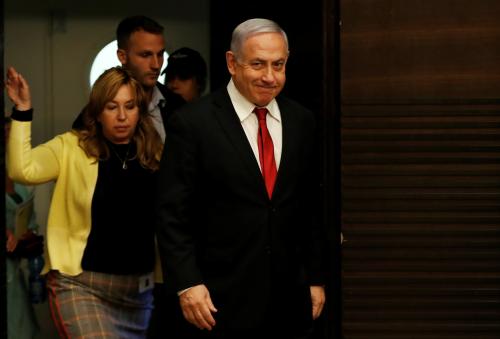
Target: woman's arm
{"x": 24, "y": 164}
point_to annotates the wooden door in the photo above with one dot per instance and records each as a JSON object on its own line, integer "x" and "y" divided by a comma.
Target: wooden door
{"x": 420, "y": 168}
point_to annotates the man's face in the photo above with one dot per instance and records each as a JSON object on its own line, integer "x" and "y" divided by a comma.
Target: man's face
{"x": 143, "y": 57}
{"x": 259, "y": 72}
{"x": 186, "y": 88}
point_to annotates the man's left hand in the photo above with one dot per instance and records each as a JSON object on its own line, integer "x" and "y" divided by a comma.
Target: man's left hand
{"x": 318, "y": 300}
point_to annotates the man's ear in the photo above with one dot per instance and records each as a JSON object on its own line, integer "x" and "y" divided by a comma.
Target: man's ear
{"x": 122, "y": 56}
{"x": 231, "y": 62}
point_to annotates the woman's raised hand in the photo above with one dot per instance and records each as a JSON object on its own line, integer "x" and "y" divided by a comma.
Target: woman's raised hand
{"x": 18, "y": 90}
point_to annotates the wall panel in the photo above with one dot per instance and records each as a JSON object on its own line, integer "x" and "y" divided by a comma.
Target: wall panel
{"x": 420, "y": 169}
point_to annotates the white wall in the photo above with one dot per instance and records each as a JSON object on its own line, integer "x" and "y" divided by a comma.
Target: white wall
{"x": 53, "y": 43}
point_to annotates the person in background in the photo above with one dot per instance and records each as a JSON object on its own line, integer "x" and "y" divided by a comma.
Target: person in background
{"x": 141, "y": 48}
{"x": 238, "y": 193}
{"x": 21, "y": 320}
{"x": 103, "y": 198}
{"x": 186, "y": 73}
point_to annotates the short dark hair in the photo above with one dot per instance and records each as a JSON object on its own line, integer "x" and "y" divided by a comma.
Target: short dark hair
{"x": 186, "y": 63}
{"x": 133, "y": 24}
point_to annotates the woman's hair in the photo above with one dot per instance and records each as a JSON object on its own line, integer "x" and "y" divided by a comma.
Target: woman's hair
{"x": 91, "y": 137}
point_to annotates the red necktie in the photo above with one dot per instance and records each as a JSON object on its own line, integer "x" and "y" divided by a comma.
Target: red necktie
{"x": 266, "y": 151}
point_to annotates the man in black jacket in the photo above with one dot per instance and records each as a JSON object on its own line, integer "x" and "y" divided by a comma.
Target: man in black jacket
{"x": 141, "y": 47}
{"x": 238, "y": 201}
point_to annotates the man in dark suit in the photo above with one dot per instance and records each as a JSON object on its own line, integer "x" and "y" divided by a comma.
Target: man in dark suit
{"x": 141, "y": 48}
{"x": 236, "y": 201}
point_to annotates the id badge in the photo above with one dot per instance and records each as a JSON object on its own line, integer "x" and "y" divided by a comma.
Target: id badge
{"x": 146, "y": 282}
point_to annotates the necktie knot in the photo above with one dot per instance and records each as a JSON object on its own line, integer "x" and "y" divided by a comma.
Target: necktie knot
{"x": 261, "y": 113}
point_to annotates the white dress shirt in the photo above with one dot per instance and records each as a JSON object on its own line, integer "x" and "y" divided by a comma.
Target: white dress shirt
{"x": 154, "y": 111}
{"x": 250, "y": 123}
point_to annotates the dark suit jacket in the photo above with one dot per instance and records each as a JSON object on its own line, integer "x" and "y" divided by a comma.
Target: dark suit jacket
{"x": 217, "y": 226}
{"x": 172, "y": 102}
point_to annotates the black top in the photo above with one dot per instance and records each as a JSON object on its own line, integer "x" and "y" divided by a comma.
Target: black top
{"x": 121, "y": 239}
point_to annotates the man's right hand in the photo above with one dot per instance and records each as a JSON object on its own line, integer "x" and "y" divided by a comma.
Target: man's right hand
{"x": 197, "y": 307}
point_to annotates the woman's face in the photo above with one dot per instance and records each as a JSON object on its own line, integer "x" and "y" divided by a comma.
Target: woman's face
{"x": 120, "y": 116}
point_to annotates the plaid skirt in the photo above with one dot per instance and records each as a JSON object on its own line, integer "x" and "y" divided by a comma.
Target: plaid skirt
{"x": 100, "y": 305}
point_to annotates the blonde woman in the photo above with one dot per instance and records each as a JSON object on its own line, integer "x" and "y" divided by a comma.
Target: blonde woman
{"x": 100, "y": 235}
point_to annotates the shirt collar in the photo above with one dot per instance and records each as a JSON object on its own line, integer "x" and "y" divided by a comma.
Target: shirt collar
{"x": 156, "y": 97}
{"x": 244, "y": 108}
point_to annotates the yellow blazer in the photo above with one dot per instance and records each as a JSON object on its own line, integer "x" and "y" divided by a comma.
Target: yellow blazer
{"x": 63, "y": 160}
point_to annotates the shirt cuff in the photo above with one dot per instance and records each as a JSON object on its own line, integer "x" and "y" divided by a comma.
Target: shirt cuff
{"x": 22, "y": 115}
{"x": 183, "y": 291}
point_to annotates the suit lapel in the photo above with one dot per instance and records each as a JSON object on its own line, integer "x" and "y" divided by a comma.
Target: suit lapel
{"x": 289, "y": 146}
{"x": 231, "y": 125}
